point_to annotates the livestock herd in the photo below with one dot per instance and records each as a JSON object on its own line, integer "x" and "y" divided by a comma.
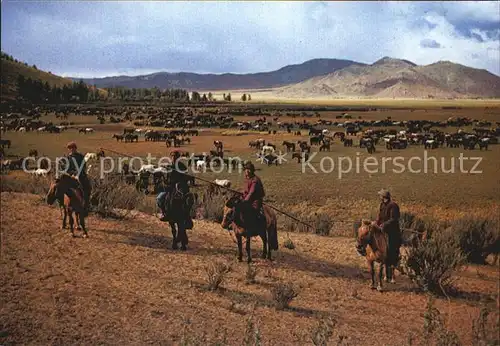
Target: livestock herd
{"x": 182, "y": 123}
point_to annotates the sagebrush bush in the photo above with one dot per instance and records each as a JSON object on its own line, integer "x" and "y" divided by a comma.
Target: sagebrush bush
{"x": 211, "y": 207}
{"x": 434, "y": 329}
{"x": 431, "y": 263}
{"x": 34, "y": 184}
{"x": 477, "y": 237}
{"x": 322, "y": 224}
{"x": 216, "y": 273}
{"x": 111, "y": 194}
{"x": 283, "y": 294}
{"x": 251, "y": 273}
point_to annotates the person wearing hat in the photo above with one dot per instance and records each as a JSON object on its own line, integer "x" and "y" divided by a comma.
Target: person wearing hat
{"x": 388, "y": 221}
{"x": 253, "y": 196}
{"x": 78, "y": 168}
{"x": 177, "y": 178}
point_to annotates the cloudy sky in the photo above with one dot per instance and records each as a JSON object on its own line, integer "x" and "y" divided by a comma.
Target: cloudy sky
{"x": 96, "y": 39}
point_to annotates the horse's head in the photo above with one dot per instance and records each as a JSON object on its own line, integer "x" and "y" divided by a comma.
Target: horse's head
{"x": 364, "y": 232}
{"x": 229, "y": 211}
{"x": 54, "y": 192}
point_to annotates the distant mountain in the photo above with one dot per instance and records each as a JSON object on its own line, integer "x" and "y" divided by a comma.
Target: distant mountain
{"x": 12, "y": 69}
{"x": 193, "y": 81}
{"x": 396, "y": 78}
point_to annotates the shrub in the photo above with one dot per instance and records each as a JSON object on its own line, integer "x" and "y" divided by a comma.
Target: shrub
{"x": 430, "y": 264}
{"x": 38, "y": 185}
{"x": 252, "y": 333}
{"x": 322, "y": 333}
{"x": 112, "y": 197}
{"x": 289, "y": 244}
{"x": 283, "y": 294}
{"x": 251, "y": 273}
{"x": 478, "y": 237}
{"x": 216, "y": 273}
{"x": 212, "y": 208}
{"x": 435, "y": 329}
{"x": 322, "y": 224}
{"x": 484, "y": 334}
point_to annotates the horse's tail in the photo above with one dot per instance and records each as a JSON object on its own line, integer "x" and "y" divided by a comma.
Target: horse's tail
{"x": 272, "y": 236}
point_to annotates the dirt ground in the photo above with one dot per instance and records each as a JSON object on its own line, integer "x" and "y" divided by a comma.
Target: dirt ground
{"x": 123, "y": 285}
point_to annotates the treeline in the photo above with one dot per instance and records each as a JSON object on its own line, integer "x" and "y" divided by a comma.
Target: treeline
{"x": 147, "y": 94}
{"x": 37, "y": 91}
{"x": 8, "y": 57}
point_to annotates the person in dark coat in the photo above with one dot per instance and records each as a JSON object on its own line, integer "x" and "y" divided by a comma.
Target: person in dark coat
{"x": 388, "y": 221}
{"x": 178, "y": 179}
{"x": 78, "y": 168}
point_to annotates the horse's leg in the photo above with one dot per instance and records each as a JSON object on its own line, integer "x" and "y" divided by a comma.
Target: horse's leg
{"x": 183, "y": 236}
{"x": 372, "y": 274}
{"x": 239, "y": 239}
{"x": 71, "y": 222}
{"x": 174, "y": 236}
{"x": 265, "y": 252}
{"x": 247, "y": 245}
{"x": 82, "y": 223}
{"x": 380, "y": 277}
{"x": 78, "y": 222}
{"x": 65, "y": 217}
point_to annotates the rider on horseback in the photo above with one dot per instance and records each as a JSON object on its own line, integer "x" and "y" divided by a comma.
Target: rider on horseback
{"x": 253, "y": 195}
{"x": 78, "y": 168}
{"x": 388, "y": 221}
{"x": 178, "y": 179}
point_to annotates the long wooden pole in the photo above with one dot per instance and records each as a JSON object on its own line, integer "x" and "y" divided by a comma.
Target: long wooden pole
{"x": 227, "y": 188}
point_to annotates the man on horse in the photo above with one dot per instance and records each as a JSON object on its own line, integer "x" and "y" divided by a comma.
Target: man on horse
{"x": 253, "y": 196}
{"x": 388, "y": 221}
{"x": 178, "y": 180}
{"x": 78, "y": 168}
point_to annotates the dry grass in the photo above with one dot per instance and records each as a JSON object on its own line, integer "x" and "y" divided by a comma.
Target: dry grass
{"x": 124, "y": 285}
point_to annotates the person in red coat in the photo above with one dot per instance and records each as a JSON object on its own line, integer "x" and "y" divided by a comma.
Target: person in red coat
{"x": 253, "y": 198}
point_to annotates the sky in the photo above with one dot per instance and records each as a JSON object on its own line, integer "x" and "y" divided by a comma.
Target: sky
{"x": 97, "y": 39}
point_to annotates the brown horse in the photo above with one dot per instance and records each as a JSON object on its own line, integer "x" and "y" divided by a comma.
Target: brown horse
{"x": 235, "y": 218}
{"x": 68, "y": 193}
{"x": 376, "y": 243}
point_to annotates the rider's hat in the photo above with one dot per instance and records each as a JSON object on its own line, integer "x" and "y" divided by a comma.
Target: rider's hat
{"x": 384, "y": 193}
{"x": 249, "y": 166}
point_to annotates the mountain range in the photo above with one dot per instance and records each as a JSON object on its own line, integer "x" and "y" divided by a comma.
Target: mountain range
{"x": 385, "y": 78}
{"x": 321, "y": 78}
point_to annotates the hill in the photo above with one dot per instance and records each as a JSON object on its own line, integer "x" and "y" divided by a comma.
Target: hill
{"x": 193, "y": 81}
{"x": 12, "y": 69}
{"x": 395, "y": 78}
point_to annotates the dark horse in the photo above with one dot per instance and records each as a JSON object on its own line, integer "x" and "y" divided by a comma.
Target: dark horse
{"x": 234, "y": 217}
{"x": 376, "y": 243}
{"x": 178, "y": 208}
{"x": 69, "y": 195}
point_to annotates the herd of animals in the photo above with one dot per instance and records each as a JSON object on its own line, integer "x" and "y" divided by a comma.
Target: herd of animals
{"x": 183, "y": 123}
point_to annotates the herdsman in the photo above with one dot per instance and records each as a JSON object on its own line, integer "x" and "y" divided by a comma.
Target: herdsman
{"x": 178, "y": 179}
{"x": 77, "y": 167}
{"x": 253, "y": 198}
{"x": 388, "y": 221}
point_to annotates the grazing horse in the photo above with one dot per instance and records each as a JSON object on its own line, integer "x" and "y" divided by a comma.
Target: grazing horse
{"x": 118, "y": 137}
{"x": 68, "y": 193}
{"x": 289, "y": 146}
{"x": 376, "y": 243}
{"x": 234, "y": 218}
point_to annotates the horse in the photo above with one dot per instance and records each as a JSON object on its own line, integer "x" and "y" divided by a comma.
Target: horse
{"x": 376, "y": 243}
{"x": 234, "y": 218}
{"x": 67, "y": 191}
{"x": 289, "y": 146}
{"x": 178, "y": 207}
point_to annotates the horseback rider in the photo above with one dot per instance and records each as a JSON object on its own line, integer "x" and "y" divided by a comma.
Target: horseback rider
{"x": 78, "y": 168}
{"x": 178, "y": 179}
{"x": 252, "y": 198}
{"x": 388, "y": 221}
